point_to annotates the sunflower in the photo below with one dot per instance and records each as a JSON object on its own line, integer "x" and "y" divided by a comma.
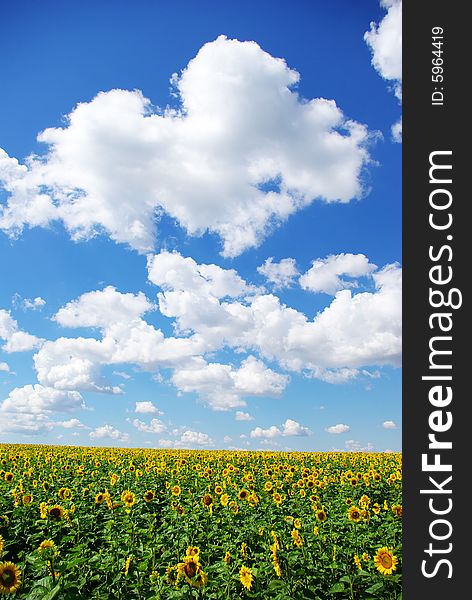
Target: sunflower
{"x": 27, "y": 499}
{"x": 354, "y": 514}
{"x": 10, "y": 578}
{"x": 192, "y": 571}
{"x": 2, "y": 544}
{"x": 245, "y": 577}
{"x": 99, "y": 498}
{"x": 193, "y": 551}
{"x": 297, "y": 538}
{"x": 128, "y": 498}
{"x": 385, "y": 561}
{"x": 277, "y": 498}
{"x": 268, "y": 486}
{"x": 353, "y": 481}
{"x": 357, "y": 562}
{"x": 47, "y": 549}
{"x": 207, "y": 500}
{"x": 43, "y": 510}
{"x": 65, "y": 493}
{"x": 8, "y": 476}
{"x": 227, "y": 558}
{"x": 224, "y": 499}
{"x": 321, "y": 515}
{"x": 149, "y": 496}
{"x": 376, "y": 508}
{"x": 176, "y": 490}
{"x": 243, "y": 494}
{"x": 56, "y": 512}
{"x": 397, "y": 510}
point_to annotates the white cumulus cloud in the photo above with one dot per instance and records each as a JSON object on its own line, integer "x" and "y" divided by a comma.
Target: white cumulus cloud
{"x": 389, "y": 425}
{"x": 33, "y": 303}
{"x": 281, "y": 274}
{"x": 243, "y": 416}
{"x": 339, "y": 428}
{"x": 385, "y": 42}
{"x": 240, "y": 154}
{"x": 147, "y": 407}
{"x": 15, "y": 339}
{"x": 37, "y": 399}
{"x": 108, "y": 432}
{"x": 223, "y": 387}
{"x": 155, "y": 426}
{"x": 289, "y": 428}
{"x": 324, "y": 274}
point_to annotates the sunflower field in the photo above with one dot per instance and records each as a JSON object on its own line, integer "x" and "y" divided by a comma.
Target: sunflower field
{"x": 125, "y": 524}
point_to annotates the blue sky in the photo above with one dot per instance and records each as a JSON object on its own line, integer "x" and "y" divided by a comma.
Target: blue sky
{"x": 212, "y": 261}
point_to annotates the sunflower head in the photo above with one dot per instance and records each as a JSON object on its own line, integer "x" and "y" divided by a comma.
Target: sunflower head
{"x": 128, "y": 498}
{"x": 243, "y": 494}
{"x": 47, "y": 549}
{"x": 385, "y": 561}
{"x": 354, "y": 514}
{"x": 207, "y": 500}
{"x": 321, "y": 515}
{"x": 56, "y": 512}
{"x": 10, "y": 578}
{"x": 246, "y": 577}
{"x": 397, "y": 510}
{"x": 149, "y": 496}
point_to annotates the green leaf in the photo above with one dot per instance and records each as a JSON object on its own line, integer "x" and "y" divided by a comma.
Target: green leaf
{"x": 375, "y": 588}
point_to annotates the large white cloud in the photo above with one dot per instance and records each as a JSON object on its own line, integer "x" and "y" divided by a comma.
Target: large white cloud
{"x": 214, "y": 309}
{"x": 28, "y": 409}
{"x": 241, "y": 153}
{"x": 324, "y": 274}
{"x": 385, "y": 42}
{"x": 36, "y": 399}
{"x": 15, "y": 339}
{"x": 103, "y": 308}
{"x": 223, "y": 387}
{"x": 355, "y": 330}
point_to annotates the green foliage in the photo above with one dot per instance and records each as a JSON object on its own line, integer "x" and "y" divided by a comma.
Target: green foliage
{"x": 266, "y": 513}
